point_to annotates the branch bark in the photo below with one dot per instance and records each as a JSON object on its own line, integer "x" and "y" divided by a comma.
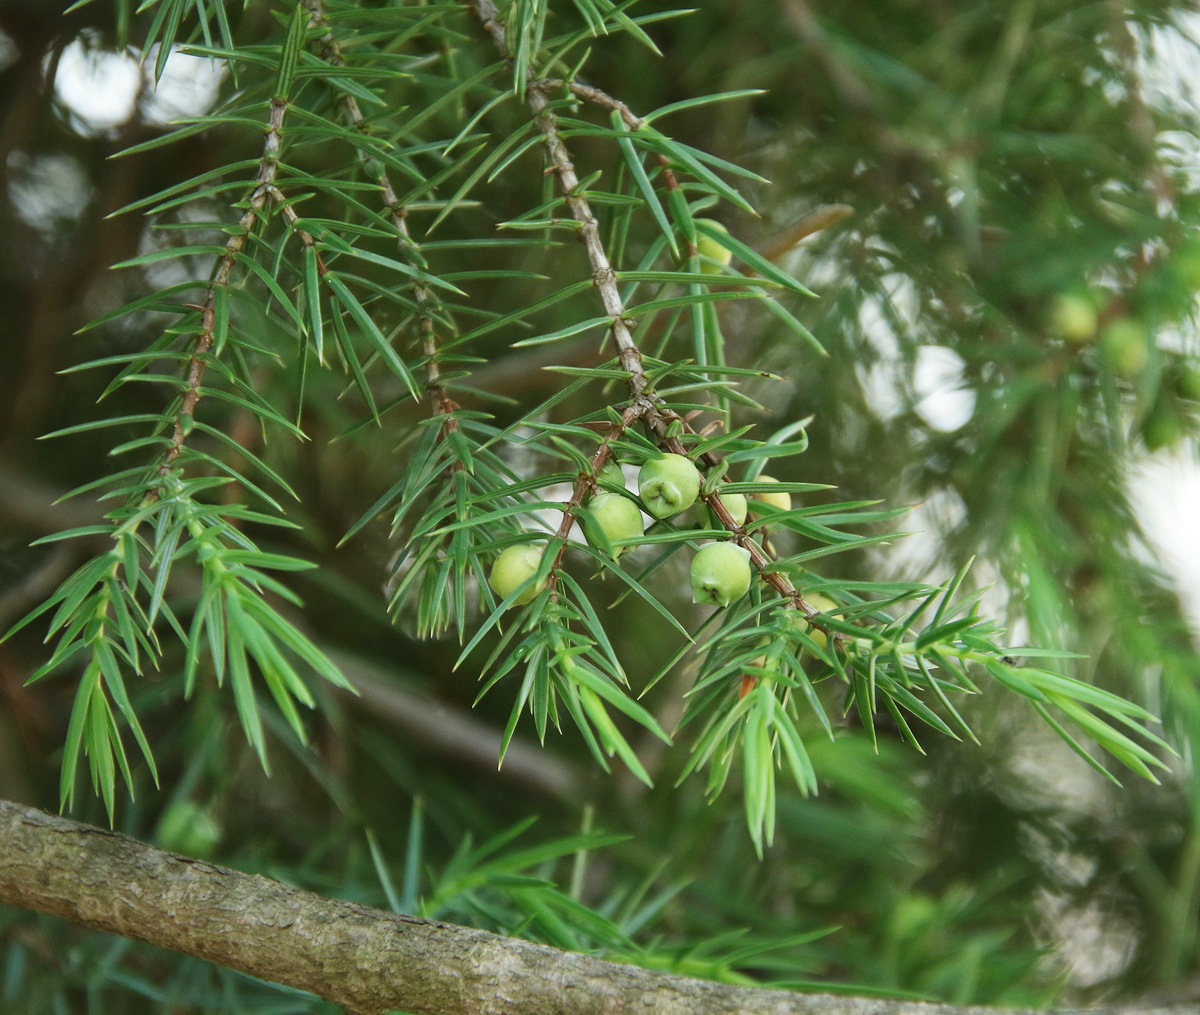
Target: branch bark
{"x": 364, "y": 959}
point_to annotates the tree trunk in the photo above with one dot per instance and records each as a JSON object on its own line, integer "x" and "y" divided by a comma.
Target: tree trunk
{"x": 364, "y": 959}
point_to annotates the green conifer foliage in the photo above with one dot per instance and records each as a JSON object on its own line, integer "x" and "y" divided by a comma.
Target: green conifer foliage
{"x": 396, "y": 323}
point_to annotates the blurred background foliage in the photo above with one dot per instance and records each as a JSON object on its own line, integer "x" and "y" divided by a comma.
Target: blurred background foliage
{"x": 1009, "y": 315}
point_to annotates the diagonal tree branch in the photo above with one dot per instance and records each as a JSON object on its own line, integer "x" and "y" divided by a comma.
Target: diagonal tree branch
{"x": 645, "y": 404}
{"x": 367, "y": 960}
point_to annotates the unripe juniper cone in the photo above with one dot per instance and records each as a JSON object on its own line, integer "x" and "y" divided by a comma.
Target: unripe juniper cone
{"x": 818, "y": 602}
{"x": 668, "y": 484}
{"x": 514, "y": 566}
{"x": 734, "y": 503}
{"x": 617, "y": 516}
{"x": 781, "y": 499}
{"x": 611, "y": 475}
{"x": 720, "y": 573}
{"x": 711, "y": 249}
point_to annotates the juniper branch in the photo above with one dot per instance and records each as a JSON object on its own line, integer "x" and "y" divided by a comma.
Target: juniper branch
{"x": 645, "y": 403}
{"x": 263, "y": 190}
{"x": 443, "y": 404}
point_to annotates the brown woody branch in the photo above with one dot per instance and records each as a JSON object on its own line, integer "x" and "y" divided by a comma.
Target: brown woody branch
{"x": 268, "y": 167}
{"x": 367, "y": 960}
{"x": 589, "y": 94}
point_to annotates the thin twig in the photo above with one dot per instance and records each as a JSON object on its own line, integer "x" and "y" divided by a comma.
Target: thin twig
{"x": 443, "y": 404}
{"x": 821, "y": 217}
{"x": 590, "y": 94}
{"x": 268, "y": 166}
{"x": 586, "y": 483}
{"x": 1141, "y": 117}
{"x": 850, "y": 88}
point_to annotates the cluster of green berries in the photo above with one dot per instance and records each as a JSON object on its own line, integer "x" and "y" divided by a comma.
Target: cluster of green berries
{"x": 1123, "y": 341}
{"x": 1125, "y": 346}
{"x": 668, "y": 485}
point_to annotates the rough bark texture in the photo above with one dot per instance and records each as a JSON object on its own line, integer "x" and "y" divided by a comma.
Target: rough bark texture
{"x": 364, "y": 959}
